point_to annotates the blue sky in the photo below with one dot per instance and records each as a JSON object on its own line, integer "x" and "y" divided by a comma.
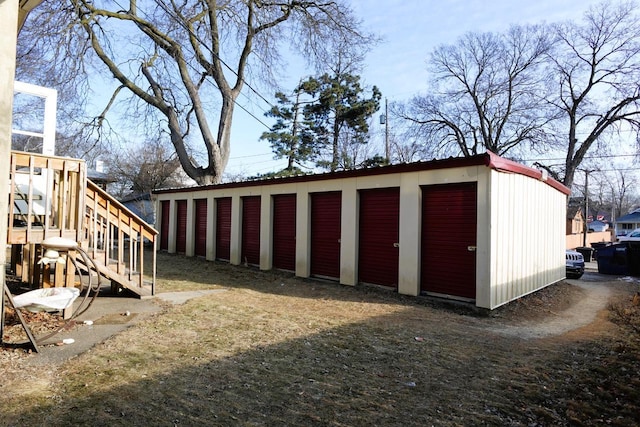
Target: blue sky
{"x": 410, "y": 30}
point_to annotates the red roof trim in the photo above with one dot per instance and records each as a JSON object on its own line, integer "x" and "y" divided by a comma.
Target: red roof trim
{"x": 505, "y": 165}
{"x": 488, "y": 159}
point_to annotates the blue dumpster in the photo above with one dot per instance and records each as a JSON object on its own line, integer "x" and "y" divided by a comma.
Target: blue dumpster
{"x": 613, "y": 259}
{"x": 633, "y": 258}
{"x": 597, "y": 246}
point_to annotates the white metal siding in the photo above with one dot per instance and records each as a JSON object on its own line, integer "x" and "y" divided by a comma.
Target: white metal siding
{"x": 527, "y": 236}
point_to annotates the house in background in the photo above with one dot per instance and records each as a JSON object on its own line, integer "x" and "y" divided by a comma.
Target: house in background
{"x": 628, "y": 223}
{"x": 141, "y": 205}
{"x": 575, "y": 220}
{"x": 99, "y": 178}
{"x": 597, "y": 231}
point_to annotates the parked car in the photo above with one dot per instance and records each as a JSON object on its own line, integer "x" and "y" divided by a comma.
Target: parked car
{"x": 575, "y": 264}
{"x": 598, "y": 226}
{"x": 634, "y": 236}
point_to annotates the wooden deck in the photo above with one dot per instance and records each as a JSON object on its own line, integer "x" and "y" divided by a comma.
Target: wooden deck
{"x": 52, "y": 197}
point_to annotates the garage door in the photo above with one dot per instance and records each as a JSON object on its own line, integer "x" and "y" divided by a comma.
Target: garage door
{"x": 325, "y": 234}
{"x": 200, "y": 224}
{"x": 251, "y": 230}
{"x": 448, "y": 264}
{"x": 284, "y": 231}
{"x": 378, "y": 236}
{"x": 223, "y": 228}
{"x": 164, "y": 224}
{"x": 181, "y": 226}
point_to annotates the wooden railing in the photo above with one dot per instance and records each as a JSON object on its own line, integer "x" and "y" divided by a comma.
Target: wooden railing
{"x": 46, "y": 197}
{"x": 116, "y": 238}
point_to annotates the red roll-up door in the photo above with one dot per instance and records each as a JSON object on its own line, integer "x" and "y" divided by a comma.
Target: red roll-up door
{"x": 251, "y": 230}
{"x": 326, "y": 209}
{"x": 223, "y": 228}
{"x": 284, "y": 231}
{"x": 181, "y": 226}
{"x": 449, "y": 216}
{"x": 378, "y": 236}
{"x": 200, "y": 224}
{"x": 165, "y": 208}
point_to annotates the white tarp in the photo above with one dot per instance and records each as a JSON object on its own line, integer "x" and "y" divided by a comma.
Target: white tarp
{"x": 46, "y": 299}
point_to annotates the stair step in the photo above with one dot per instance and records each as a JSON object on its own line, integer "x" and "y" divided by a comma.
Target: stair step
{"x": 127, "y": 280}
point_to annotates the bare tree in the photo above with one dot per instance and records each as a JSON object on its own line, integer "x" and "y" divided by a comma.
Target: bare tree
{"x": 596, "y": 65}
{"x": 487, "y": 94}
{"x": 405, "y": 151}
{"x": 180, "y": 60}
{"x": 624, "y": 196}
{"x": 143, "y": 168}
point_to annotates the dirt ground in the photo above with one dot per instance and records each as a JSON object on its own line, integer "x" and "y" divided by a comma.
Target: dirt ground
{"x": 273, "y": 349}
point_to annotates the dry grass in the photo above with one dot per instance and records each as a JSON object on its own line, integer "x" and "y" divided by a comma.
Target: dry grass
{"x": 278, "y": 350}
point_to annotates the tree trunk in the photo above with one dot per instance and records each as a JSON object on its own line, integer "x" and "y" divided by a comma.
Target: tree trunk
{"x": 335, "y": 145}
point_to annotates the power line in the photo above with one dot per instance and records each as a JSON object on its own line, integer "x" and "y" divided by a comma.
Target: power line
{"x": 197, "y": 37}
{"x": 235, "y": 101}
{"x": 250, "y": 155}
{"x": 609, "y": 156}
{"x": 617, "y": 170}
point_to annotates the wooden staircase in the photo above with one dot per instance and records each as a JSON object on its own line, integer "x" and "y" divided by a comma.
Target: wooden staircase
{"x": 51, "y": 197}
{"x": 116, "y": 239}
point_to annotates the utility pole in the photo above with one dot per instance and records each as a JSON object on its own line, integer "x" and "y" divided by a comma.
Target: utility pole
{"x": 585, "y": 228}
{"x": 384, "y": 120}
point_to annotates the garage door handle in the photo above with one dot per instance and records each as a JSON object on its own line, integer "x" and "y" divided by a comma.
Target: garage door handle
{"x": 471, "y": 248}
{"x": 396, "y": 245}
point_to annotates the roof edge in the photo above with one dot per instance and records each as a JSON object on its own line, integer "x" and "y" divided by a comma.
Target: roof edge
{"x": 488, "y": 159}
{"x": 505, "y": 165}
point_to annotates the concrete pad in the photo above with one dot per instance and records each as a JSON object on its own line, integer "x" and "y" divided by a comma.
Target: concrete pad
{"x": 177, "y": 298}
{"x": 108, "y": 315}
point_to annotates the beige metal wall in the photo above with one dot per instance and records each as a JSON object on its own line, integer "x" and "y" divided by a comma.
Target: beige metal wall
{"x": 527, "y": 238}
{"x": 491, "y": 203}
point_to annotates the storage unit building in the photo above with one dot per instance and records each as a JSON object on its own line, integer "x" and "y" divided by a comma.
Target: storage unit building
{"x": 481, "y": 229}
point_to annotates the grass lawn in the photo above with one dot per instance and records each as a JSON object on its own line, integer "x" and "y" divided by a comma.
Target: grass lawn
{"x": 278, "y": 350}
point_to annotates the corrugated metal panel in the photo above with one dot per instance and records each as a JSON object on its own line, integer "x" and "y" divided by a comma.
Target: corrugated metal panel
{"x": 449, "y": 227}
{"x": 200, "y": 225}
{"x": 488, "y": 160}
{"x": 325, "y": 234}
{"x": 165, "y": 208}
{"x": 223, "y": 228}
{"x": 181, "y": 226}
{"x": 251, "y": 230}
{"x": 378, "y": 236}
{"x": 527, "y": 234}
{"x": 284, "y": 231}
